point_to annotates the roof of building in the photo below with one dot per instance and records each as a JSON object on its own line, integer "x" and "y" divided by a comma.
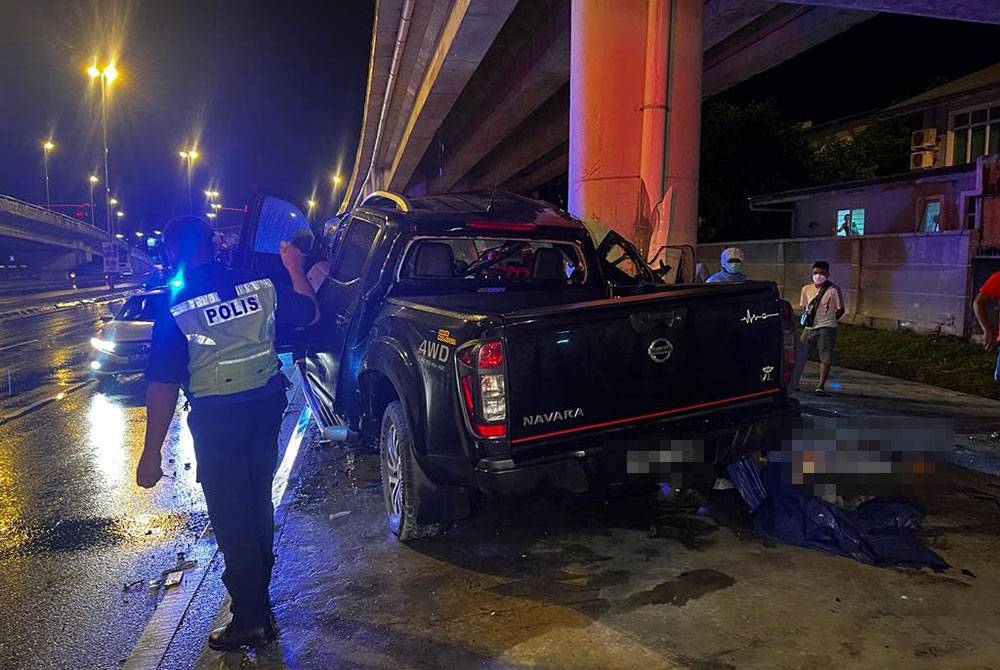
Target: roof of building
{"x": 986, "y": 78}
{"x": 938, "y": 174}
{"x": 971, "y": 84}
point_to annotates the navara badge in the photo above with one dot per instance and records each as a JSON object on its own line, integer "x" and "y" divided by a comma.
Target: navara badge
{"x": 660, "y": 350}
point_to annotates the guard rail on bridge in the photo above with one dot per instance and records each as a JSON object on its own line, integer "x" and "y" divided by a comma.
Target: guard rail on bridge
{"x": 26, "y": 210}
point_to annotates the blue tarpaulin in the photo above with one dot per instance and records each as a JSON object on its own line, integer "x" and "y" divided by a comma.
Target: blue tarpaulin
{"x": 879, "y": 532}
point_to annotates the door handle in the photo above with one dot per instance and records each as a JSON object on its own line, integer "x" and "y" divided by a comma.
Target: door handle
{"x": 665, "y": 320}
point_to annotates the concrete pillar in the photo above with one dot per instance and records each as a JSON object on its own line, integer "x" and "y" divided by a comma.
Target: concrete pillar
{"x": 635, "y": 117}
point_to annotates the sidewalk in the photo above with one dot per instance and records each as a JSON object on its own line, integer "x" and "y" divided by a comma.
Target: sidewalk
{"x": 583, "y": 583}
{"x": 857, "y": 393}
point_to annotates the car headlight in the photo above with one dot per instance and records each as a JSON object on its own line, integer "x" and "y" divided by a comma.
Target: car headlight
{"x": 102, "y": 345}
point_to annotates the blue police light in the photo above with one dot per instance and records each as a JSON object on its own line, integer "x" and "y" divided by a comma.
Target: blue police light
{"x": 177, "y": 283}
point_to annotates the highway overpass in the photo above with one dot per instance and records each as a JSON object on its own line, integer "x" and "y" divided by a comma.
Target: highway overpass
{"x": 51, "y": 244}
{"x": 495, "y": 93}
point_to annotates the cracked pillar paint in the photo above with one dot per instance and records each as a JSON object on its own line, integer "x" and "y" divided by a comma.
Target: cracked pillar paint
{"x": 635, "y": 117}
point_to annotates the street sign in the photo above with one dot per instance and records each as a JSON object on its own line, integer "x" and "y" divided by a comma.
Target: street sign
{"x": 110, "y": 252}
{"x": 124, "y": 260}
{"x": 116, "y": 258}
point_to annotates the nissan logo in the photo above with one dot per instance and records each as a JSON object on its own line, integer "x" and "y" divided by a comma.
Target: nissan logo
{"x": 660, "y": 350}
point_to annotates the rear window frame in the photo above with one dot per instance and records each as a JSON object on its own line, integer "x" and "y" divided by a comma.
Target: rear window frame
{"x": 536, "y": 284}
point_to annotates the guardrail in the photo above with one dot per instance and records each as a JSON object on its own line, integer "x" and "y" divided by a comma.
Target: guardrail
{"x": 30, "y": 211}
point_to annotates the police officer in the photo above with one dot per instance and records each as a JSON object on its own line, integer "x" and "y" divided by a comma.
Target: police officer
{"x": 217, "y": 343}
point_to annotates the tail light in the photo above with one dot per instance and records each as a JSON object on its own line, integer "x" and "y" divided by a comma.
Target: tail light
{"x": 484, "y": 388}
{"x": 787, "y": 342}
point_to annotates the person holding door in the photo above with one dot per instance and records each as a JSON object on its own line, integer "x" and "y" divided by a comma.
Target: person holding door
{"x": 217, "y": 343}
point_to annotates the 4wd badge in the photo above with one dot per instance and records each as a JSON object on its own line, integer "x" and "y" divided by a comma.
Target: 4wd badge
{"x": 660, "y": 350}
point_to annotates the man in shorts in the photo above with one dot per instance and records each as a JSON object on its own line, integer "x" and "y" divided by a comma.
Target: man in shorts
{"x": 823, "y": 305}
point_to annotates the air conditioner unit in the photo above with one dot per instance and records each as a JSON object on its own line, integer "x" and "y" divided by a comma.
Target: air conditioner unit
{"x": 921, "y": 160}
{"x": 923, "y": 139}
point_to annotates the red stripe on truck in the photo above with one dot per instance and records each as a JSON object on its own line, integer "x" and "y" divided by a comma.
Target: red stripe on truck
{"x": 652, "y": 415}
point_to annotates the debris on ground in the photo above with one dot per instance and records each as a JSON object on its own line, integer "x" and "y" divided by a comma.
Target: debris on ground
{"x": 878, "y": 532}
{"x": 339, "y": 515}
{"x": 173, "y": 579}
{"x": 181, "y": 566}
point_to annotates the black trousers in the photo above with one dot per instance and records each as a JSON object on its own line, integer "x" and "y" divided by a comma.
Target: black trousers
{"x": 236, "y": 446}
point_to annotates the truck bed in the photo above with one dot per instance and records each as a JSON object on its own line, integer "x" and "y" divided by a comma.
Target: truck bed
{"x": 576, "y": 367}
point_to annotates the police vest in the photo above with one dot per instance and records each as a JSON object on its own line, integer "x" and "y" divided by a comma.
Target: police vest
{"x": 230, "y": 342}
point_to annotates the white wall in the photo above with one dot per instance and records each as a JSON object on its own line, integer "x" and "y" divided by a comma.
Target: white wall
{"x": 915, "y": 280}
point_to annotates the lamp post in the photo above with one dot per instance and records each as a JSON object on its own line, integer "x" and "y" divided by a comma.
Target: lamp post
{"x": 312, "y": 206}
{"x": 93, "y": 180}
{"x": 189, "y": 155}
{"x": 46, "y": 149}
{"x": 107, "y": 75}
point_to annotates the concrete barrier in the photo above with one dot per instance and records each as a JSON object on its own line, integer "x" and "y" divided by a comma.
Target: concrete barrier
{"x": 918, "y": 281}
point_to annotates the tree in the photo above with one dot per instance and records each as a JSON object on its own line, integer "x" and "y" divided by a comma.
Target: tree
{"x": 750, "y": 150}
{"x": 746, "y": 151}
{"x": 877, "y": 150}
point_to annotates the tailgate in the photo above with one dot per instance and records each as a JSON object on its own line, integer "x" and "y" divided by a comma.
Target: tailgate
{"x": 608, "y": 363}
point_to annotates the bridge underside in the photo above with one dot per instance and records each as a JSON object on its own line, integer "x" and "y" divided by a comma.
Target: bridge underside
{"x": 480, "y": 97}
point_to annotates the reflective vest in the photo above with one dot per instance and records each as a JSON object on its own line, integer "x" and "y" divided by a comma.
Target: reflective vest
{"x": 230, "y": 342}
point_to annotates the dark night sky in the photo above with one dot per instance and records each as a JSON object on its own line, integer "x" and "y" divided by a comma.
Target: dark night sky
{"x": 272, "y": 92}
{"x": 873, "y": 65}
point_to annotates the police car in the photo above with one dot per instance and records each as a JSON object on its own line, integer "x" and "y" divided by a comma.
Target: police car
{"x": 122, "y": 346}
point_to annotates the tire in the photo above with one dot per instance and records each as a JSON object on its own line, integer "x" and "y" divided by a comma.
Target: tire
{"x": 404, "y": 485}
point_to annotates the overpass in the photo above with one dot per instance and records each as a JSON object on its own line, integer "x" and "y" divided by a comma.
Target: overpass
{"x": 494, "y": 93}
{"x": 51, "y": 243}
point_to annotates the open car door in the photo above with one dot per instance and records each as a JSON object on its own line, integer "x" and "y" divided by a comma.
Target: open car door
{"x": 269, "y": 221}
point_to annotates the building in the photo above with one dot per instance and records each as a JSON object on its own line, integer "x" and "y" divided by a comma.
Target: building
{"x": 912, "y": 249}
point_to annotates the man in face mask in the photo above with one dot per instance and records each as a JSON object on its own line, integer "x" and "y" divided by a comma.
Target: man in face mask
{"x": 732, "y": 264}
{"x": 823, "y": 305}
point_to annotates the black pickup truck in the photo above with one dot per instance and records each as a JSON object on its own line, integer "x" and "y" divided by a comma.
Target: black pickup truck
{"x": 487, "y": 345}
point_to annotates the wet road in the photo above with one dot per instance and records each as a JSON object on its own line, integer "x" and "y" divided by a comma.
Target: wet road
{"x": 45, "y": 354}
{"x": 78, "y": 540}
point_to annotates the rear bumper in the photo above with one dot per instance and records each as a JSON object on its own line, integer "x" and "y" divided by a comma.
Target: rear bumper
{"x": 587, "y": 463}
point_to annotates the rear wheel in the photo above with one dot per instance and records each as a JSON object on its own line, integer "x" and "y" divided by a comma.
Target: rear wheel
{"x": 404, "y": 485}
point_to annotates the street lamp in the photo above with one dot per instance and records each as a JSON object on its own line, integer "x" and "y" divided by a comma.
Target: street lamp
{"x": 189, "y": 155}
{"x": 211, "y": 215}
{"x": 112, "y": 202}
{"x": 93, "y": 180}
{"x": 139, "y": 234}
{"x": 312, "y": 206}
{"x": 46, "y": 149}
{"x": 106, "y": 75}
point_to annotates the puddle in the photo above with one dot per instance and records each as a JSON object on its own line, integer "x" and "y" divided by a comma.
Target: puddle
{"x": 680, "y": 590}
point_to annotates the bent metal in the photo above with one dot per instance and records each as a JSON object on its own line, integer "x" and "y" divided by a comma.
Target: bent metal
{"x": 549, "y": 417}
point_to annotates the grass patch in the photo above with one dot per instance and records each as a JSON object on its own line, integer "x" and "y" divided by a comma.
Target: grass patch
{"x": 941, "y": 360}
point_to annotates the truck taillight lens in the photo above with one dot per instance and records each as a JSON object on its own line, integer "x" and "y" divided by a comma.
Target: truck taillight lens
{"x": 490, "y": 356}
{"x": 787, "y": 342}
{"x": 484, "y": 388}
{"x": 494, "y": 397}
